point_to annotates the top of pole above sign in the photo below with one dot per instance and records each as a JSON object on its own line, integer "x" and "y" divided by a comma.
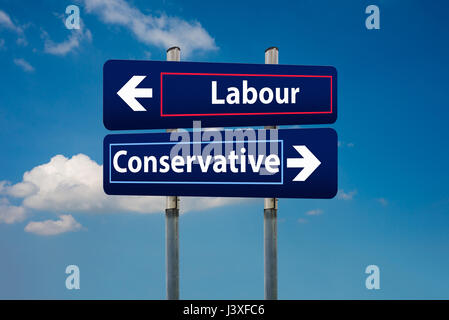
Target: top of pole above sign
{"x": 166, "y": 94}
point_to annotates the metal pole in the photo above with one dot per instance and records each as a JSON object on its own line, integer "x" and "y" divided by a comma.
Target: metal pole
{"x": 270, "y": 219}
{"x": 171, "y": 223}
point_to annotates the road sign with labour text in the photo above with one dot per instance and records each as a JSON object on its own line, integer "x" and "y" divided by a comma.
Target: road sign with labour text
{"x": 288, "y": 163}
{"x": 166, "y": 94}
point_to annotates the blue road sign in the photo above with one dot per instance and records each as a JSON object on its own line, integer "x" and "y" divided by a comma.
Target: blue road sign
{"x": 166, "y": 94}
{"x": 288, "y": 163}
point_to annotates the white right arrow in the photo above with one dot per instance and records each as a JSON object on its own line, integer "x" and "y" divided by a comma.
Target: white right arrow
{"x": 308, "y": 162}
{"x": 129, "y": 92}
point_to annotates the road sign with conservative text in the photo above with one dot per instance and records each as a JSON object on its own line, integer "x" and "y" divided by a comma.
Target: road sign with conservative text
{"x": 288, "y": 163}
{"x": 167, "y": 94}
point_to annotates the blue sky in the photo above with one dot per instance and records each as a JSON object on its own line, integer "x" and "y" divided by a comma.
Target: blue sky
{"x": 392, "y": 209}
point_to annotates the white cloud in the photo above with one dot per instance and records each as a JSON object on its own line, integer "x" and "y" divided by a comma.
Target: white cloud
{"x": 383, "y": 201}
{"x": 161, "y": 31}
{"x": 22, "y": 41}
{"x": 75, "y": 185}
{"x": 21, "y": 189}
{"x": 25, "y": 65}
{"x": 346, "y": 144}
{"x": 314, "y": 212}
{"x": 346, "y": 195}
{"x": 9, "y": 213}
{"x": 66, "y": 223}
{"x": 3, "y": 186}
{"x": 302, "y": 220}
{"x": 6, "y": 22}
{"x": 72, "y": 42}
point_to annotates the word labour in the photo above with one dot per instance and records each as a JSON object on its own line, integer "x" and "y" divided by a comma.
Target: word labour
{"x": 250, "y": 95}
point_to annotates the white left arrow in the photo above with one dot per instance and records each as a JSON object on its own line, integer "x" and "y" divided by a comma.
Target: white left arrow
{"x": 308, "y": 162}
{"x": 129, "y": 92}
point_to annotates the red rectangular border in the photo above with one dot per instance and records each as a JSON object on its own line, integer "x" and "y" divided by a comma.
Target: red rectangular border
{"x": 245, "y": 113}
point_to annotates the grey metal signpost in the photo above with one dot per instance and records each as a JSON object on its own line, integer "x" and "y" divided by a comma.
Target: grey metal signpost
{"x": 270, "y": 219}
{"x": 172, "y": 222}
